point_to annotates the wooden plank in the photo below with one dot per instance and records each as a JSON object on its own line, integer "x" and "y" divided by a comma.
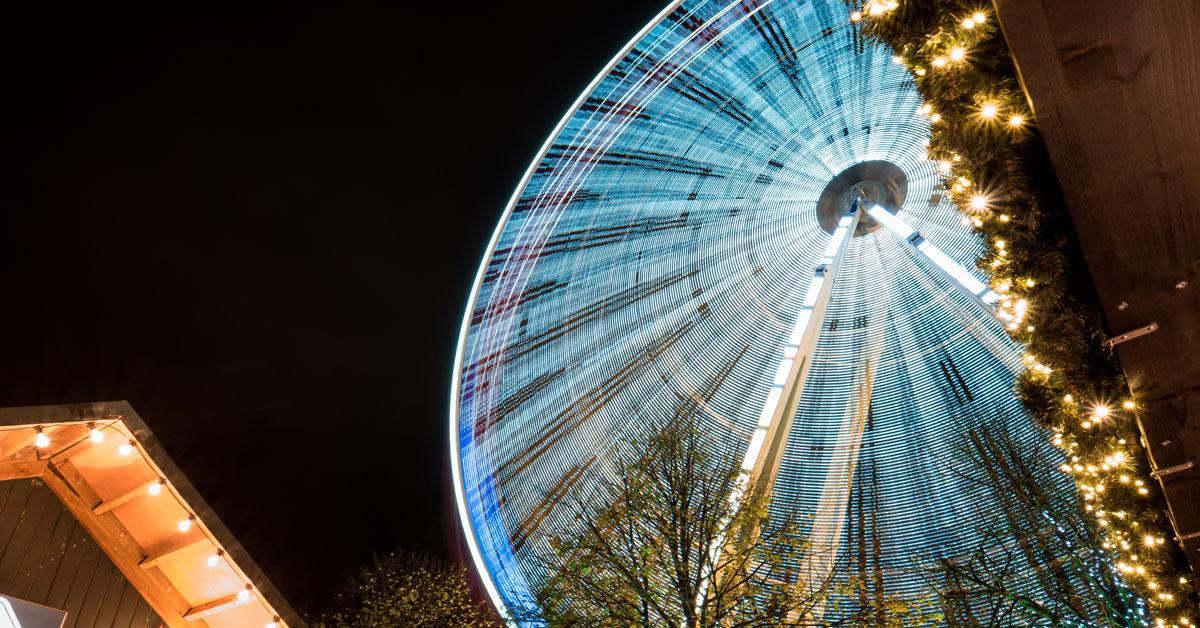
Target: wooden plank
{"x": 110, "y": 601}
{"x": 216, "y": 606}
{"x": 125, "y": 498}
{"x": 21, "y": 468}
{"x": 10, "y": 512}
{"x": 72, "y": 561}
{"x": 80, "y": 583}
{"x": 125, "y": 553}
{"x": 184, "y": 544}
{"x": 40, "y": 547}
{"x": 23, "y": 533}
{"x": 52, "y": 561}
{"x": 1110, "y": 74}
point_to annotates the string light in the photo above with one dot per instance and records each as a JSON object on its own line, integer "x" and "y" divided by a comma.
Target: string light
{"x": 185, "y": 524}
{"x": 155, "y": 489}
{"x": 1104, "y": 473}
{"x": 95, "y": 434}
{"x": 274, "y": 623}
{"x": 215, "y": 559}
{"x": 856, "y": 16}
{"x": 126, "y": 448}
{"x": 41, "y": 439}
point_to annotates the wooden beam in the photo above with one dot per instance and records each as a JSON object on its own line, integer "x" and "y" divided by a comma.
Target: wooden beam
{"x": 216, "y": 606}
{"x": 77, "y": 495}
{"x": 182, "y": 546}
{"x": 17, "y": 469}
{"x": 125, "y": 498}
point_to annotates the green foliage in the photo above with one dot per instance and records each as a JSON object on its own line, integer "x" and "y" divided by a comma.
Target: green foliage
{"x": 407, "y": 589}
{"x": 997, "y": 171}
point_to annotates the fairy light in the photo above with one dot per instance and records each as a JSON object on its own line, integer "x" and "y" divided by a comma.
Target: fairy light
{"x": 856, "y": 16}
{"x": 126, "y": 448}
{"x": 95, "y": 434}
{"x": 1104, "y": 473}
{"x": 244, "y": 594}
{"x": 185, "y": 524}
{"x": 215, "y": 559}
{"x": 41, "y": 439}
{"x": 155, "y": 489}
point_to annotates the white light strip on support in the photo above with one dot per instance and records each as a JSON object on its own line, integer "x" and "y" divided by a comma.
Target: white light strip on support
{"x": 804, "y": 327}
{"x": 789, "y": 375}
{"x": 952, "y": 269}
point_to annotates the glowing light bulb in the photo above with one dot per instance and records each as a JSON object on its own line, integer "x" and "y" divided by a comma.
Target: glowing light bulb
{"x": 1129, "y": 405}
{"x": 1000, "y": 244}
{"x": 155, "y": 489}
{"x": 1100, "y": 411}
{"x": 214, "y": 559}
{"x": 897, "y": 59}
{"x": 1069, "y": 398}
{"x": 877, "y": 8}
{"x": 957, "y": 54}
{"x": 979, "y": 17}
{"x": 968, "y": 23}
{"x": 935, "y": 118}
{"x": 125, "y": 449}
{"x": 184, "y": 524}
{"x": 244, "y": 594}
{"x": 979, "y": 202}
{"x": 856, "y": 16}
{"x": 1016, "y": 120}
{"x": 939, "y": 62}
{"x": 41, "y": 439}
{"x": 96, "y": 435}
{"x": 274, "y": 623}
{"x": 926, "y": 109}
{"x": 989, "y": 111}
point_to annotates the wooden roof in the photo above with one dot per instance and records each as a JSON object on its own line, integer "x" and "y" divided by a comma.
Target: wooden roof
{"x": 1116, "y": 87}
{"x": 108, "y": 488}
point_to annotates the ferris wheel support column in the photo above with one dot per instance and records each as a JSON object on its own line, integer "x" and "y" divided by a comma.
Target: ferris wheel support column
{"x": 767, "y": 445}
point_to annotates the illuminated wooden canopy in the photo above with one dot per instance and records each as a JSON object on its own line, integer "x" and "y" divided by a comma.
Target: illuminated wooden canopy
{"x": 107, "y": 468}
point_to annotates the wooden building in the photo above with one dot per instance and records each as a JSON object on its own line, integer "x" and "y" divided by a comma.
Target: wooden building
{"x": 98, "y": 527}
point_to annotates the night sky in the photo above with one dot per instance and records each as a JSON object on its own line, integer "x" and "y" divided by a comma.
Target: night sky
{"x": 260, "y": 226}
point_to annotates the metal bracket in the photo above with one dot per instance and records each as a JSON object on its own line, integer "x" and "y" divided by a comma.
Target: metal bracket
{"x": 1130, "y": 335}
{"x": 1158, "y": 475}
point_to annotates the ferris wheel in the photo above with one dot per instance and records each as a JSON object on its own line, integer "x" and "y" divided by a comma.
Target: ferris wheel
{"x": 737, "y": 219}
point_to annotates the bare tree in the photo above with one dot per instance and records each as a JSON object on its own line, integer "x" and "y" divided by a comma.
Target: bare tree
{"x": 1040, "y": 562}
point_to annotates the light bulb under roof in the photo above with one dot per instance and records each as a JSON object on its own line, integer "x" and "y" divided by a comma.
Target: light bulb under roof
{"x": 184, "y": 524}
{"x": 155, "y": 488}
{"x": 42, "y": 440}
{"x": 96, "y": 434}
{"x": 214, "y": 559}
{"x": 244, "y": 594}
{"x": 126, "y": 448}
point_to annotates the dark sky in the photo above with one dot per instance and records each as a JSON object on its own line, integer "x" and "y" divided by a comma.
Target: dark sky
{"x": 260, "y": 226}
